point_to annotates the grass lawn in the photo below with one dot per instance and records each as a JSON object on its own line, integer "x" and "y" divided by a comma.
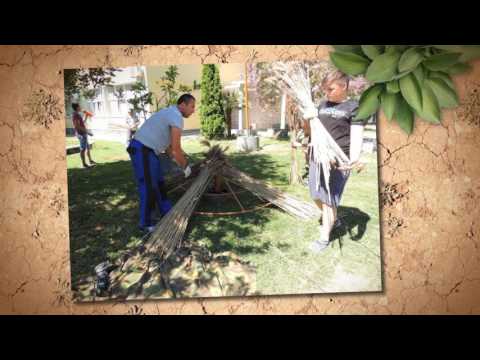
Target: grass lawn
{"x": 104, "y": 215}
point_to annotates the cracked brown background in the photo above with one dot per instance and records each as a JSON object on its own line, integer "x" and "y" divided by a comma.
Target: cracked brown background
{"x": 429, "y": 190}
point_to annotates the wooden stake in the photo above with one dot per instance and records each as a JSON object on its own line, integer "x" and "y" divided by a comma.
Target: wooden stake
{"x": 218, "y": 181}
{"x": 247, "y": 120}
{"x": 235, "y": 196}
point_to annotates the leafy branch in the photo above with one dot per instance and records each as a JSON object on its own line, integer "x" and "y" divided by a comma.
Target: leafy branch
{"x": 141, "y": 99}
{"x": 85, "y": 81}
{"x": 169, "y": 89}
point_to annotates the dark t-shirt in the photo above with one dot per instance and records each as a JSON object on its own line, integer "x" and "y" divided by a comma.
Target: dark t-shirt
{"x": 337, "y": 118}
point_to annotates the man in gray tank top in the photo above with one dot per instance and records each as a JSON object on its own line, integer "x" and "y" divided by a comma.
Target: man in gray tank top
{"x": 160, "y": 134}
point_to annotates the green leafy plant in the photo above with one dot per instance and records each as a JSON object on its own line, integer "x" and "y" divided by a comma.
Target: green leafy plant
{"x": 212, "y": 116}
{"x": 141, "y": 99}
{"x": 406, "y": 80}
{"x": 169, "y": 88}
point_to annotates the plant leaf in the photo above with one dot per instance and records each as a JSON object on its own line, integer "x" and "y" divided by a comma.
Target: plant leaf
{"x": 389, "y": 103}
{"x": 349, "y": 63}
{"x": 430, "y": 107}
{"x": 393, "y": 87}
{"x": 399, "y": 48}
{"x": 401, "y": 75}
{"x": 419, "y": 74}
{"x": 369, "y": 102}
{"x": 451, "y": 48}
{"x": 404, "y": 116}
{"x": 410, "y": 59}
{"x": 356, "y": 49}
{"x": 383, "y": 68}
{"x": 447, "y": 97}
{"x": 468, "y": 52}
{"x": 458, "y": 68}
{"x": 441, "y": 62}
{"x": 444, "y": 76}
{"x": 372, "y": 51}
{"x": 411, "y": 91}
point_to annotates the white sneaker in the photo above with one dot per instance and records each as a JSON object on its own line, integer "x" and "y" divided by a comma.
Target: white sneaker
{"x": 148, "y": 229}
{"x": 318, "y": 246}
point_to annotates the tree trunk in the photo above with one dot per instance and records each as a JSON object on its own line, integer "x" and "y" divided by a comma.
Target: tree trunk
{"x": 294, "y": 171}
{"x": 218, "y": 184}
{"x": 295, "y": 176}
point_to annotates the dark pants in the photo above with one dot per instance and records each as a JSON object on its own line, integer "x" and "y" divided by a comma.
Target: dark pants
{"x": 150, "y": 181}
{"x": 338, "y": 180}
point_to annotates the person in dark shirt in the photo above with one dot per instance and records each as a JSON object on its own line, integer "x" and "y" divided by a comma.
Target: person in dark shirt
{"x": 337, "y": 115}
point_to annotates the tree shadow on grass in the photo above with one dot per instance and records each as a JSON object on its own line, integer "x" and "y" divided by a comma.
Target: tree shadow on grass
{"x": 103, "y": 214}
{"x": 260, "y": 166}
{"x": 238, "y": 234}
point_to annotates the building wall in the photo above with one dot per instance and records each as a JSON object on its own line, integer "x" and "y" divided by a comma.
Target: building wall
{"x": 127, "y": 75}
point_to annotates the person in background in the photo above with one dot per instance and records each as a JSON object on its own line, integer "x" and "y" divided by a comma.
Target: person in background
{"x": 160, "y": 135}
{"x": 132, "y": 124}
{"x": 82, "y": 134}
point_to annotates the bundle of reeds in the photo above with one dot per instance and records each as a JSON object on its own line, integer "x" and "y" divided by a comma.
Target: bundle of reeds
{"x": 293, "y": 77}
{"x": 288, "y": 203}
{"x": 173, "y": 182}
{"x": 215, "y": 151}
{"x": 169, "y": 232}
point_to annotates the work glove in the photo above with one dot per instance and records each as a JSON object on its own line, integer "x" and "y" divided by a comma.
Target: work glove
{"x": 187, "y": 171}
{"x": 310, "y": 113}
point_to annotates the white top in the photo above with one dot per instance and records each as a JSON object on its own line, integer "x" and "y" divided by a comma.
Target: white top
{"x": 132, "y": 122}
{"x": 155, "y": 131}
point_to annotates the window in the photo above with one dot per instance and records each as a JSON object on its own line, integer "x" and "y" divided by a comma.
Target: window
{"x": 98, "y": 107}
{"x": 98, "y": 94}
{"x": 114, "y": 109}
{"x": 124, "y": 106}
